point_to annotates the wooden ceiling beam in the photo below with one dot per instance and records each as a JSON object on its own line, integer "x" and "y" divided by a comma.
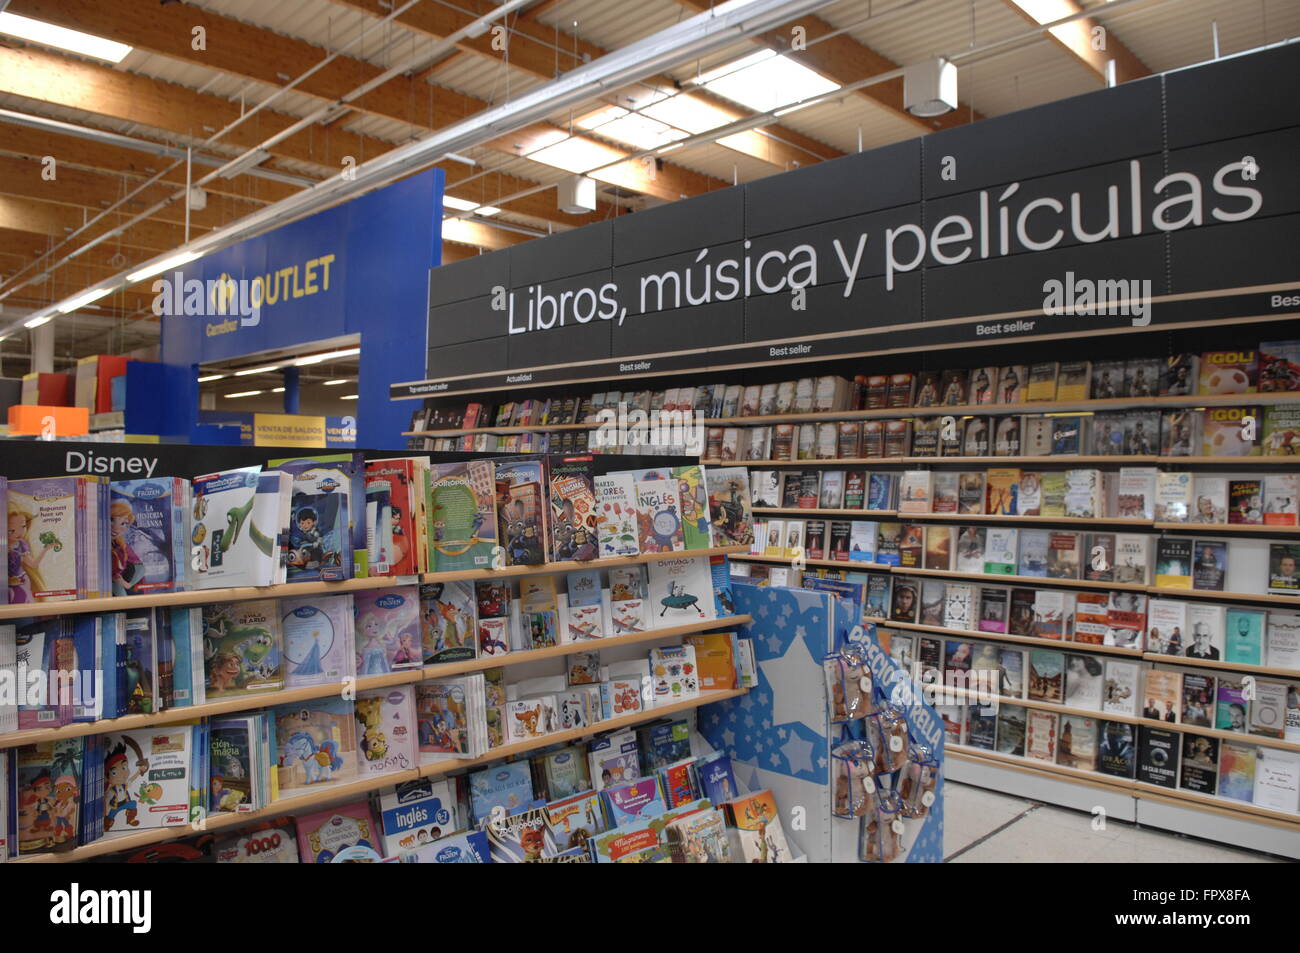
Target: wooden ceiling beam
{"x": 1081, "y": 39}
{"x": 56, "y": 220}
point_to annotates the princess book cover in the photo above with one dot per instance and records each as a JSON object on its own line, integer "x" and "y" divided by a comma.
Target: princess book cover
{"x": 315, "y": 744}
{"x": 147, "y": 535}
{"x": 388, "y": 630}
{"x": 318, "y": 647}
{"x": 44, "y": 562}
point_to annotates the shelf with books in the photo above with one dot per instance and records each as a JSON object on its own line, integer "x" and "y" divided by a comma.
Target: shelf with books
{"x": 535, "y": 428}
{"x": 342, "y": 792}
{"x": 1221, "y": 666}
{"x": 1274, "y": 599}
{"x": 1033, "y": 580}
{"x": 1022, "y": 763}
{"x": 1023, "y": 407}
{"x": 1013, "y": 520}
{"x": 832, "y": 563}
{"x": 809, "y": 511}
{"x": 297, "y": 589}
{"x": 1226, "y": 806}
{"x": 1222, "y": 528}
{"x": 1017, "y": 639}
{"x": 1066, "y": 460}
{"x": 174, "y": 716}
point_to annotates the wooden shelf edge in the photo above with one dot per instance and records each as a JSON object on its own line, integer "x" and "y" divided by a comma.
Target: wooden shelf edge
{"x": 175, "y": 716}
{"x": 800, "y": 511}
{"x": 1033, "y": 765}
{"x": 363, "y": 786}
{"x": 973, "y": 634}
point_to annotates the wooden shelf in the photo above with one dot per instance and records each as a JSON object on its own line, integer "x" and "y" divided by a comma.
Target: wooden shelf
{"x": 1220, "y": 665}
{"x": 1219, "y": 528}
{"x": 363, "y": 786}
{"x": 807, "y": 511}
{"x": 173, "y": 716}
{"x": 1226, "y": 806}
{"x": 503, "y": 431}
{"x": 972, "y": 635}
{"x": 295, "y": 589}
{"x": 832, "y": 563}
{"x": 998, "y": 518}
{"x": 1022, "y": 763}
{"x": 1224, "y": 596}
{"x": 1069, "y": 461}
{"x": 1034, "y": 580}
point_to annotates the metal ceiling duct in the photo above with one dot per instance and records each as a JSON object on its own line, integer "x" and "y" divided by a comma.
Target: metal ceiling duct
{"x": 687, "y": 40}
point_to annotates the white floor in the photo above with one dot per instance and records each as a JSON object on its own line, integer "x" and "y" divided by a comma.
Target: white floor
{"x": 982, "y": 826}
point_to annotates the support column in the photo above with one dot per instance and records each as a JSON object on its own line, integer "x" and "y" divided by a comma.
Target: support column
{"x": 290, "y": 390}
{"x": 42, "y": 344}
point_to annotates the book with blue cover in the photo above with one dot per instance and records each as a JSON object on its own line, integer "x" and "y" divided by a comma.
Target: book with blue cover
{"x": 327, "y": 529}
{"x": 415, "y": 814}
{"x": 467, "y": 847}
{"x": 663, "y": 744}
{"x": 509, "y": 786}
{"x": 630, "y": 801}
{"x": 717, "y": 778}
{"x": 148, "y": 541}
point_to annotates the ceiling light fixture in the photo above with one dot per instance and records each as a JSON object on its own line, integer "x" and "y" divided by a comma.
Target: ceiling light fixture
{"x": 460, "y": 205}
{"x": 245, "y": 393}
{"x": 257, "y": 370}
{"x": 930, "y": 88}
{"x": 158, "y": 267}
{"x": 487, "y": 210}
{"x": 212, "y": 377}
{"x": 82, "y": 300}
{"x": 61, "y": 38}
{"x": 37, "y": 321}
{"x": 277, "y": 390}
{"x": 765, "y": 80}
{"x": 341, "y": 380}
{"x": 327, "y": 356}
{"x": 348, "y": 397}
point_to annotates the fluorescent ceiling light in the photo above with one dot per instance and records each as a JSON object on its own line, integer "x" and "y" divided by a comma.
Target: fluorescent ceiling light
{"x": 488, "y": 210}
{"x": 765, "y": 81}
{"x": 615, "y": 122}
{"x": 457, "y": 157}
{"x": 327, "y": 356}
{"x": 37, "y": 321}
{"x": 348, "y": 397}
{"x": 61, "y": 38}
{"x": 245, "y": 393}
{"x": 277, "y": 390}
{"x": 691, "y": 113}
{"x": 175, "y": 261}
{"x": 212, "y": 377}
{"x": 258, "y": 370}
{"x": 85, "y": 299}
{"x": 576, "y": 155}
{"x": 460, "y": 205}
{"x": 341, "y": 380}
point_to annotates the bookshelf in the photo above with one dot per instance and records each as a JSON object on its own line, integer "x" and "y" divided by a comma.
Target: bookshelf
{"x": 175, "y": 716}
{"x": 1015, "y": 639}
{"x": 352, "y": 789}
{"x": 296, "y": 589}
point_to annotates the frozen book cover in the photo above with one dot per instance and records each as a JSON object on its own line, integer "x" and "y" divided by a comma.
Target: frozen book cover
{"x": 388, "y": 637}
{"x": 315, "y": 745}
{"x": 317, "y": 633}
{"x": 448, "y": 621}
{"x": 44, "y": 562}
{"x": 147, "y": 535}
{"x": 243, "y": 648}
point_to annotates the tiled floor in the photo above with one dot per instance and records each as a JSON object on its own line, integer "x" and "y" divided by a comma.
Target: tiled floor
{"x": 982, "y": 826}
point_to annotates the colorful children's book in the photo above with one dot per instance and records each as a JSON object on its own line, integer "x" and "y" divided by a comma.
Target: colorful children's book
{"x": 337, "y": 833}
{"x": 616, "y": 522}
{"x": 674, "y": 674}
{"x": 462, "y": 515}
{"x": 315, "y": 745}
{"x": 574, "y": 820}
{"x": 238, "y": 763}
{"x": 522, "y": 837}
{"x": 508, "y": 786}
{"x": 757, "y": 824}
{"x": 443, "y": 710}
{"x": 522, "y": 509}
{"x": 631, "y": 801}
{"x": 585, "y": 613}
{"x": 415, "y": 814}
{"x": 574, "y": 527}
{"x": 321, "y": 519}
{"x": 730, "y": 512}
{"x": 47, "y": 796}
{"x": 146, "y": 778}
{"x": 659, "y": 516}
{"x": 448, "y": 621}
{"x": 693, "y": 498}
{"x": 47, "y": 547}
{"x": 236, "y": 528}
{"x": 680, "y": 590}
{"x": 318, "y": 640}
{"x": 467, "y": 847}
{"x": 388, "y": 630}
{"x": 385, "y": 730}
{"x": 148, "y": 541}
{"x": 716, "y": 778}
{"x": 243, "y": 648}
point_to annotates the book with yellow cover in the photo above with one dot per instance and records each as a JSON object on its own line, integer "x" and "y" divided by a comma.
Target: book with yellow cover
{"x": 715, "y": 658}
{"x": 1002, "y": 485}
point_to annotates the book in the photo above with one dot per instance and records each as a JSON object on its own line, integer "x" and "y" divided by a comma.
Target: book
{"x": 1277, "y": 779}
{"x": 388, "y": 630}
{"x": 448, "y": 621}
{"x": 681, "y": 589}
{"x": 1000, "y": 549}
{"x": 1091, "y": 617}
{"x": 48, "y": 549}
{"x": 1180, "y": 433}
{"x": 507, "y": 787}
{"x": 730, "y": 511}
{"x": 1163, "y": 695}
{"x": 339, "y": 833}
{"x": 1046, "y": 675}
{"x": 971, "y": 492}
{"x": 1211, "y": 500}
{"x": 1283, "y": 562}
{"x": 315, "y": 745}
{"x": 1174, "y": 502}
{"x": 1002, "y": 486}
{"x": 1085, "y": 683}
{"x": 1268, "y": 709}
{"x": 522, "y": 509}
{"x": 1228, "y": 372}
{"x": 1223, "y": 433}
{"x": 1116, "y": 749}
{"x": 983, "y": 386}
{"x": 616, "y": 519}
{"x": 757, "y": 825}
{"x": 1063, "y": 555}
{"x": 1199, "y": 700}
{"x": 148, "y": 539}
{"x": 993, "y": 607}
{"x": 1076, "y": 747}
{"x": 1174, "y": 562}
{"x": 1042, "y": 381}
{"x": 1230, "y": 704}
{"x": 1244, "y": 636}
{"x": 1280, "y": 491}
{"x": 1245, "y": 502}
{"x": 1199, "y": 767}
{"x": 1041, "y": 735}
{"x": 1179, "y": 378}
{"x": 386, "y": 736}
{"x": 1073, "y": 380}
{"x": 1052, "y": 613}
{"x": 1082, "y": 497}
{"x": 1011, "y": 729}
{"x": 1280, "y": 435}
{"x": 1237, "y": 771}
{"x": 1132, "y": 558}
{"x": 243, "y": 648}
{"x": 317, "y": 633}
{"x": 1158, "y": 750}
{"x": 1209, "y": 564}
{"x": 1167, "y": 627}
{"x": 1283, "y": 639}
{"x": 915, "y": 491}
{"x": 1120, "y": 691}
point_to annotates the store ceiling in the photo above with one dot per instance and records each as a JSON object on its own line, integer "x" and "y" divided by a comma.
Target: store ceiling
{"x": 167, "y": 93}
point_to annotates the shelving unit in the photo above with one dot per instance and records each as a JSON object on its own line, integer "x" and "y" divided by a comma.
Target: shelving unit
{"x": 1012, "y": 639}
{"x": 296, "y": 589}
{"x": 332, "y": 794}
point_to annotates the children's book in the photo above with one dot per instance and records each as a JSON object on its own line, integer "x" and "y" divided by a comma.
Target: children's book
{"x": 680, "y": 590}
{"x": 574, "y": 523}
{"x": 243, "y": 648}
{"x": 385, "y": 730}
{"x": 730, "y": 512}
{"x": 659, "y": 517}
{"x": 330, "y": 836}
{"x": 47, "y": 547}
{"x": 508, "y": 786}
{"x": 47, "y": 795}
{"x": 322, "y": 519}
{"x": 522, "y": 837}
{"x": 462, "y": 515}
{"x": 315, "y": 745}
{"x": 576, "y": 819}
{"x": 757, "y": 825}
{"x": 674, "y": 673}
{"x": 318, "y": 640}
{"x": 415, "y": 814}
{"x": 522, "y": 509}
{"x": 540, "y": 612}
{"x": 613, "y": 759}
{"x": 268, "y": 842}
{"x": 638, "y": 800}
{"x": 146, "y": 778}
{"x": 387, "y": 630}
{"x": 237, "y": 763}
{"x": 448, "y": 621}
{"x": 693, "y": 499}
{"x": 585, "y": 613}
{"x": 616, "y": 520}
{"x": 236, "y": 528}
{"x": 716, "y": 778}
{"x": 148, "y": 541}
{"x": 443, "y": 710}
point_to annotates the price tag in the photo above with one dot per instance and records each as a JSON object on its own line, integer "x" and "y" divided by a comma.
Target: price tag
{"x": 868, "y": 784}
{"x": 897, "y": 827}
{"x": 927, "y": 798}
{"x": 895, "y": 743}
{"x": 864, "y": 684}
{"x": 408, "y": 580}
